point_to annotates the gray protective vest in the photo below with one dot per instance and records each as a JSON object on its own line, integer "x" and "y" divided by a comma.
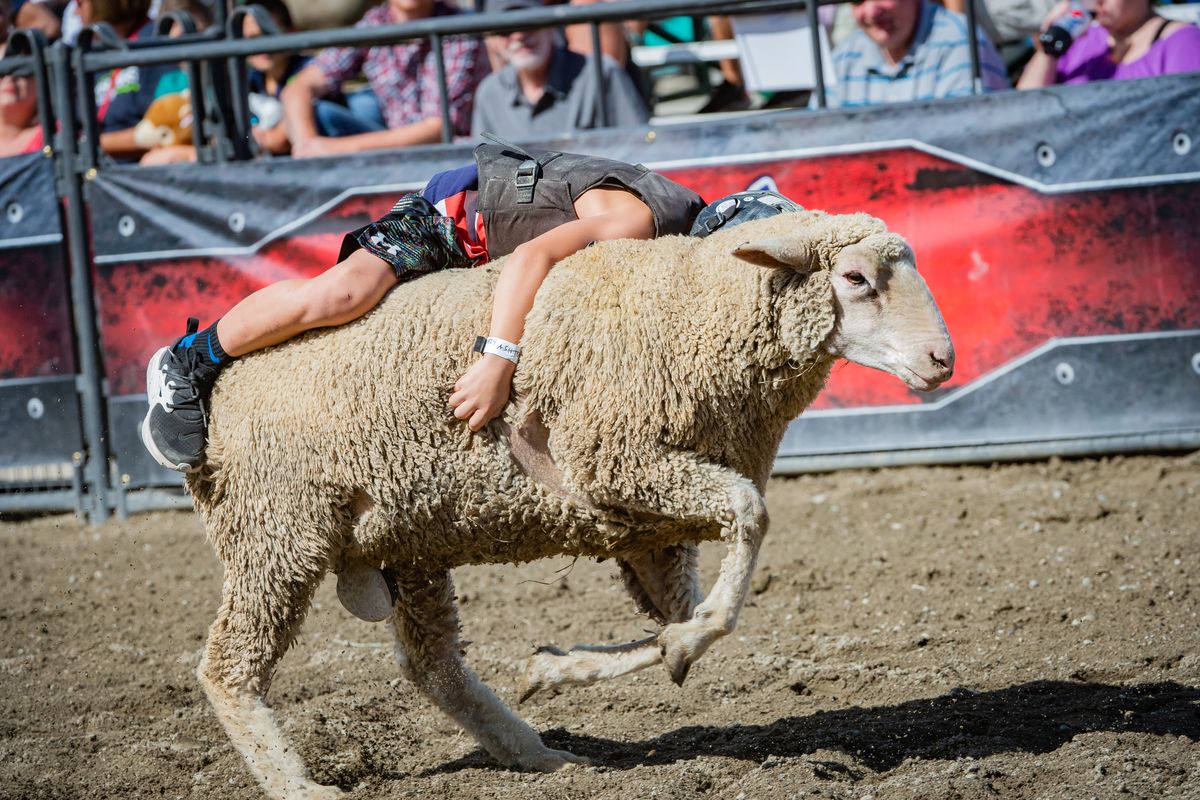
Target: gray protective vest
{"x": 524, "y": 192}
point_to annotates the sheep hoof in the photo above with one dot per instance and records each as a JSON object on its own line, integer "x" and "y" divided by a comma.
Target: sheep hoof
{"x": 677, "y": 669}
{"x": 676, "y": 659}
{"x": 364, "y": 592}
{"x": 553, "y": 760}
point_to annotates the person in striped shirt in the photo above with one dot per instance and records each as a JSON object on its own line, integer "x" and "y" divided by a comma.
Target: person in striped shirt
{"x": 906, "y": 50}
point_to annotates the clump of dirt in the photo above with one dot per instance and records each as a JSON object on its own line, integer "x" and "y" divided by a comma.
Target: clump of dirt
{"x": 1017, "y": 631}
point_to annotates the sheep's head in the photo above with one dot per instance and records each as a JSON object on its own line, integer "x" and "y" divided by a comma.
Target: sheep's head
{"x": 885, "y": 316}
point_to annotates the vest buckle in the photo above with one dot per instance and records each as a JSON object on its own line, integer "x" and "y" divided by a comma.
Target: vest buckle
{"x": 528, "y": 173}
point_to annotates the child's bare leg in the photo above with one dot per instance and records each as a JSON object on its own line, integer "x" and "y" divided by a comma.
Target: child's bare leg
{"x": 276, "y": 313}
{"x": 180, "y": 377}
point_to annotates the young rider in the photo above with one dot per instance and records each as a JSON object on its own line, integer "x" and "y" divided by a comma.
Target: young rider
{"x": 536, "y": 207}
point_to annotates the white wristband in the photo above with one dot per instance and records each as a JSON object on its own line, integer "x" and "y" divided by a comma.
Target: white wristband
{"x": 490, "y": 345}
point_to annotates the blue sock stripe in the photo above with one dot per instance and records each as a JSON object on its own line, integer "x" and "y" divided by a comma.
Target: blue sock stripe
{"x": 211, "y": 355}
{"x": 186, "y": 341}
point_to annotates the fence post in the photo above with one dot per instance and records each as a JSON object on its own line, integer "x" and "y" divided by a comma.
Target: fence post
{"x": 439, "y": 59}
{"x": 33, "y": 42}
{"x": 242, "y": 135}
{"x": 973, "y": 39}
{"x": 814, "y": 30}
{"x": 598, "y": 73}
{"x": 90, "y": 382}
{"x": 162, "y": 27}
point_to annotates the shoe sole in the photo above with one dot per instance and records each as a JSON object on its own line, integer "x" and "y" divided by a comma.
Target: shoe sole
{"x": 154, "y": 390}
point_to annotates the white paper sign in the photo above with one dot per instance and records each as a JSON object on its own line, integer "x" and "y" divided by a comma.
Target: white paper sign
{"x": 776, "y": 51}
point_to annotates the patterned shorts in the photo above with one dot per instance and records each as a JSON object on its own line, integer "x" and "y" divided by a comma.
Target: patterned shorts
{"x": 413, "y": 238}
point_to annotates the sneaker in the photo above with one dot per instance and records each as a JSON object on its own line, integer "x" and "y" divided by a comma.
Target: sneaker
{"x": 176, "y": 425}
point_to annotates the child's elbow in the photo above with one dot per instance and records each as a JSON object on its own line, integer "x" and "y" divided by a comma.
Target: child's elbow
{"x": 528, "y": 257}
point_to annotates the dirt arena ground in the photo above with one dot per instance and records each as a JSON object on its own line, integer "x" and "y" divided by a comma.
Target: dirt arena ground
{"x": 1019, "y": 631}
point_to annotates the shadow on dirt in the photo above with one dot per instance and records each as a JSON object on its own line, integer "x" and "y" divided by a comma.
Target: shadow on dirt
{"x": 1035, "y": 717}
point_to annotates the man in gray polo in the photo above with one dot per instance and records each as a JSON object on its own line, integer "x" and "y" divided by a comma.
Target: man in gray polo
{"x": 545, "y": 90}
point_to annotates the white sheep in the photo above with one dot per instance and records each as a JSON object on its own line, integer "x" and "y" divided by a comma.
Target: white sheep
{"x": 656, "y": 381}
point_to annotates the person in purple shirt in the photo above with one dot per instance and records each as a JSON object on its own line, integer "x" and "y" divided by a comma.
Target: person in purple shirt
{"x": 1128, "y": 40}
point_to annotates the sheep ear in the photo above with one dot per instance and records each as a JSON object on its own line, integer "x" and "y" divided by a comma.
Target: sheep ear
{"x": 780, "y": 251}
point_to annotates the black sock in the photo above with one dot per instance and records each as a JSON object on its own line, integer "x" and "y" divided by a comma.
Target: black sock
{"x": 207, "y": 346}
{"x": 210, "y": 356}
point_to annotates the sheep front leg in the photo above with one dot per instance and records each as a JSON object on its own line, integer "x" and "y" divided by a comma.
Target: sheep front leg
{"x": 664, "y": 585}
{"x": 429, "y": 654}
{"x": 738, "y": 505}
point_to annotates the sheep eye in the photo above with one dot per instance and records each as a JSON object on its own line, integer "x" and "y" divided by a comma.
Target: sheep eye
{"x": 856, "y": 278}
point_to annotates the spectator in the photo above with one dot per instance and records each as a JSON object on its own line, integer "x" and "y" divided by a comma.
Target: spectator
{"x": 614, "y": 42}
{"x": 40, "y": 14}
{"x": 123, "y": 94}
{"x": 402, "y": 106}
{"x": 268, "y": 74}
{"x": 546, "y": 90}
{"x": 730, "y": 94}
{"x": 20, "y": 131}
{"x": 1128, "y": 41}
{"x": 907, "y": 50}
{"x": 173, "y": 81}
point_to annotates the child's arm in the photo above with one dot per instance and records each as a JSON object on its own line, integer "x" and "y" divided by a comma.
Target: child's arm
{"x": 482, "y": 391}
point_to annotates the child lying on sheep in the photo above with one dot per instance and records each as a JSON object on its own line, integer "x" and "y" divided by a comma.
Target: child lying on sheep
{"x": 536, "y": 208}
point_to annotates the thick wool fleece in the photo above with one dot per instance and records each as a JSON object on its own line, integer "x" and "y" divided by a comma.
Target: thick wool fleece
{"x": 649, "y": 362}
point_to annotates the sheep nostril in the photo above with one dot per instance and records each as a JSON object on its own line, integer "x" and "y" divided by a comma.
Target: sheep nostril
{"x": 944, "y": 362}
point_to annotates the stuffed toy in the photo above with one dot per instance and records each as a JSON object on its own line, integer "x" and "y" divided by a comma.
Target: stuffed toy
{"x": 168, "y": 121}
{"x": 266, "y": 111}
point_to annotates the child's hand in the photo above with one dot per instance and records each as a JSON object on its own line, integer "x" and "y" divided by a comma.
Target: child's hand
{"x": 482, "y": 391}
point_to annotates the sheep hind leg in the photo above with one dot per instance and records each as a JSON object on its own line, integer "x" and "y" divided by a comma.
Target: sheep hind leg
{"x": 254, "y": 626}
{"x": 430, "y": 655}
{"x": 665, "y": 587}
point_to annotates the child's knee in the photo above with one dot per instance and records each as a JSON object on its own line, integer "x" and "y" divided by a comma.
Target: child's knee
{"x": 347, "y": 291}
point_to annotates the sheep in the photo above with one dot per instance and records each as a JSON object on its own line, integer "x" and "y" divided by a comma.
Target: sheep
{"x": 655, "y": 384}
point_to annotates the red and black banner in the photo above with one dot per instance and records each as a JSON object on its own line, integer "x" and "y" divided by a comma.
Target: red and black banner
{"x": 39, "y": 411}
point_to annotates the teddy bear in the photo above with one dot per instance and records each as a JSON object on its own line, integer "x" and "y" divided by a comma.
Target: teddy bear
{"x": 168, "y": 121}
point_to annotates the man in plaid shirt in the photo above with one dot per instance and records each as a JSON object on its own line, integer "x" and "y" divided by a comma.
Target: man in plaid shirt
{"x": 402, "y": 107}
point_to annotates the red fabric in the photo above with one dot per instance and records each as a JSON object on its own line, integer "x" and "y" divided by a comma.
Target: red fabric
{"x": 36, "y": 142}
{"x": 468, "y": 224}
